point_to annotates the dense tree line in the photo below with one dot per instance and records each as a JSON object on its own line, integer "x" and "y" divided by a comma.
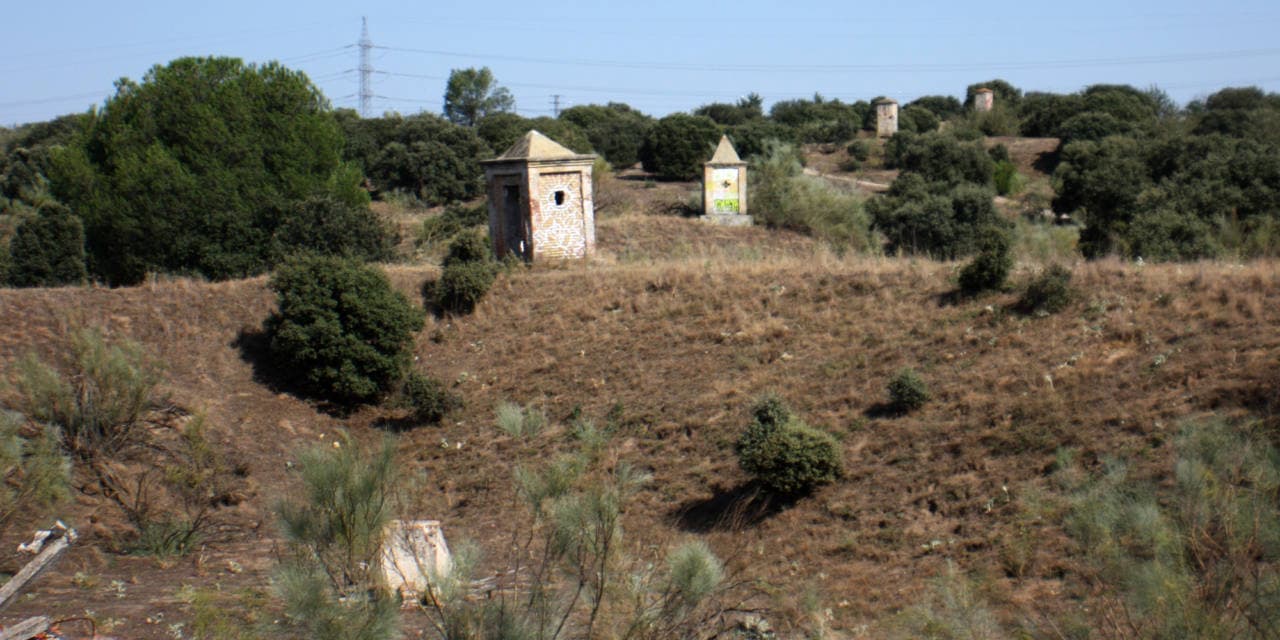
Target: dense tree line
{"x": 212, "y": 167}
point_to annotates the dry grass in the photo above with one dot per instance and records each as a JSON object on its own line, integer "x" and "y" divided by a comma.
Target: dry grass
{"x": 668, "y": 336}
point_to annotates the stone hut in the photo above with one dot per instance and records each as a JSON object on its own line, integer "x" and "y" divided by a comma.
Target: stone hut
{"x": 886, "y": 117}
{"x": 983, "y": 100}
{"x": 724, "y": 187}
{"x": 540, "y": 202}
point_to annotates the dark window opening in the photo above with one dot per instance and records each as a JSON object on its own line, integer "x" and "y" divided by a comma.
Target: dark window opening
{"x": 559, "y": 198}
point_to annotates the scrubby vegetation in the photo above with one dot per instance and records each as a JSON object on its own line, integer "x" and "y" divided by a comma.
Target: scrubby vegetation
{"x": 94, "y": 397}
{"x": 1195, "y": 560}
{"x": 469, "y": 271}
{"x": 335, "y": 530}
{"x": 1048, "y": 292}
{"x": 787, "y": 199}
{"x": 989, "y": 269}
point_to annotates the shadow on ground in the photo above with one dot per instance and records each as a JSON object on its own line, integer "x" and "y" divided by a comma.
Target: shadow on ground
{"x": 735, "y": 509}
{"x": 255, "y": 349}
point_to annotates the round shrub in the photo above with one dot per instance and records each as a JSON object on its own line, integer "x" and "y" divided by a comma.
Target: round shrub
{"x": 989, "y": 269}
{"x": 463, "y": 285}
{"x": 470, "y": 246}
{"x": 907, "y": 391}
{"x": 428, "y": 398}
{"x": 919, "y": 119}
{"x": 678, "y": 144}
{"x": 1050, "y": 292}
{"x": 784, "y": 454}
{"x": 341, "y": 328}
{"x": 859, "y": 150}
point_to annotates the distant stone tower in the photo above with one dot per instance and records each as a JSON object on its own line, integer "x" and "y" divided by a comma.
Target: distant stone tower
{"x": 983, "y": 100}
{"x": 886, "y": 117}
{"x": 724, "y": 187}
{"x": 540, "y": 203}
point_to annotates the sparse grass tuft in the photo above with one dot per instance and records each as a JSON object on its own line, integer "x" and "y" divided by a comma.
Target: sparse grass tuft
{"x": 520, "y": 422}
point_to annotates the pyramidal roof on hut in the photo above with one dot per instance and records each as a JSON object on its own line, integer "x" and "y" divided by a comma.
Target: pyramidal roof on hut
{"x": 535, "y": 146}
{"x": 725, "y": 153}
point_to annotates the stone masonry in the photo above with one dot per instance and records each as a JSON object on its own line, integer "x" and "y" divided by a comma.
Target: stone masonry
{"x": 540, "y": 202}
{"x": 886, "y": 117}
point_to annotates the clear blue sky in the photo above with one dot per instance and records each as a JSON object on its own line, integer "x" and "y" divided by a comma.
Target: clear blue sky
{"x": 659, "y": 56}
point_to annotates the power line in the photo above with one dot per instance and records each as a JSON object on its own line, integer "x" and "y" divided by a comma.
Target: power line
{"x": 905, "y": 67}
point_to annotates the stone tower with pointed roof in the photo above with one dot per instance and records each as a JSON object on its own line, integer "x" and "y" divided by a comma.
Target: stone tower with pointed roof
{"x": 540, "y": 201}
{"x": 886, "y": 117}
{"x": 724, "y": 187}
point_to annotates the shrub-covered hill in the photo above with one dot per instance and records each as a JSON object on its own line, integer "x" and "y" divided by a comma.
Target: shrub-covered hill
{"x": 669, "y": 353}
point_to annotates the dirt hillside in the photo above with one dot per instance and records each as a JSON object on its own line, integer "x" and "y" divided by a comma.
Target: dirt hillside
{"x": 669, "y": 336}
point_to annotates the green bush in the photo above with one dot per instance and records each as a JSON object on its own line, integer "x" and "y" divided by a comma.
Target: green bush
{"x": 463, "y": 285}
{"x": 1092, "y": 125}
{"x": 783, "y": 198}
{"x": 907, "y": 391}
{"x": 784, "y": 454}
{"x": 423, "y": 155}
{"x": 1006, "y": 178}
{"x": 428, "y": 398}
{"x": 36, "y": 474}
{"x": 918, "y": 119}
{"x": 725, "y": 114}
{"x": 334, "y": 531}
{"x": 47, "y": 250}
{"x": 468, "y": 273}
{"x": 990, "y": 268}
{"x": 96, "y": 396}
{"x": 755, "y": 137}
{"x": 940, "y": 157}
{"x": 934, "y": 219}
{"x": 520, "y": 422}
{"x": 1164, "y": 235}
{"x": 822, "y": 120}
{"x": 859, "y": 150}
{"x": 1043, "y": 113}
{"x": 340, "y": 328}
{"x": 472, "y": 246}
{"x": 455, "y": 218}
{"x": 676, "y": 147}
{"x": 944, "y": 107}
{"x": 1050, "y": 292}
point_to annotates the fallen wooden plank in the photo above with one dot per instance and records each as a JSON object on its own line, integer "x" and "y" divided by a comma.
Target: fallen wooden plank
{"x": 26, "y": 629}
{"x": 39, "y": 565}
